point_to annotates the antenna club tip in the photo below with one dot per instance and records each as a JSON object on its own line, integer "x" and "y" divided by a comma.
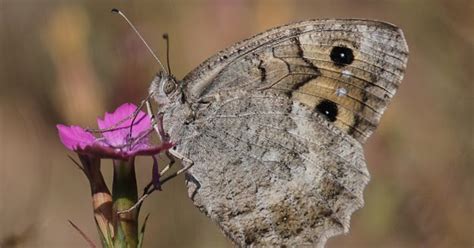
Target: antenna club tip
{"x": 115, "y": 11}
{"x": 165, "y": 36}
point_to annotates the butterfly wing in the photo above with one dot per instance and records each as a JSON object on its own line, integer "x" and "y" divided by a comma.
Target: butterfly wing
{"x": 278, "y": 126}
{"x": 270, "y": 171}
{"x": 346, "y": 69}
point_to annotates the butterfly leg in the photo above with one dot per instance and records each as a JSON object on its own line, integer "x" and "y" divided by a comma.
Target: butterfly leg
{"x": 151, "y": 187}
{"x": 197, "y": 185}
{"x": 170, "y": 163}
{"x": 157, "y": 123}
{"x": 186, "y": 162}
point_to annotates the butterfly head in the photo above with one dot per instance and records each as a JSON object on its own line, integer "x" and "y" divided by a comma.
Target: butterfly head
{"x": 165, "y": 89}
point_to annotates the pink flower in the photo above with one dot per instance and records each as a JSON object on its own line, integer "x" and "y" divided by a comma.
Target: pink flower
{"x": 118, "y": 138}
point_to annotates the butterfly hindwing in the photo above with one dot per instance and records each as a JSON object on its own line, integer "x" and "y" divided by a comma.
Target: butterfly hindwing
{"x": 270, "y": 171}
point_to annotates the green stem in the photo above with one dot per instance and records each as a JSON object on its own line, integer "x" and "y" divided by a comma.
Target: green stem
{"x": 124, "y": 196}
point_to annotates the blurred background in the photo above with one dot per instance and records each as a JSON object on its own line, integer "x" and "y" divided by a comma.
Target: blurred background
{"x": 70, "y": 61}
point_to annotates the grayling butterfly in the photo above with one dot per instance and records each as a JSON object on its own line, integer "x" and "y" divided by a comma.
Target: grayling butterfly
{"x": 272, "y": 128}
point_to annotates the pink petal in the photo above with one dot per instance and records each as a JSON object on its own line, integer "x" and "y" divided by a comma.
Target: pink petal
{"x": 74, "y": 137}
{"x": 103, "y": 151}
{"x": 118, "y": 135}
{"x": 152, "y": 150}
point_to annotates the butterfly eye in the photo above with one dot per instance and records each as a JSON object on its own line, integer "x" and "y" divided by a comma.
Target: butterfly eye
{"x": 169, "y": 87}
{"x": 341, "y": 55}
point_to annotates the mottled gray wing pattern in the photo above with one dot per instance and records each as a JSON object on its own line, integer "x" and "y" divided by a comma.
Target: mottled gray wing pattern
{"x": 271, "y": 172}
{"x": 279, "y": 121}
{"x": 302, "y": 60}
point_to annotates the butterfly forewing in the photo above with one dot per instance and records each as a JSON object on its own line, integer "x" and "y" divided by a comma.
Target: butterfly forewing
{"x": 351, "y": 67}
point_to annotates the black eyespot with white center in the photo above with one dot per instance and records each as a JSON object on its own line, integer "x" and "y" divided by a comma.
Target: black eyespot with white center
{"x": 341, "y": 55}
{"x": 328, "y": 109}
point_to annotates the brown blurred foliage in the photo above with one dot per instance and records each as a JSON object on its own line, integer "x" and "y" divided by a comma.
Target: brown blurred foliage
{"x": 70, "y": 61}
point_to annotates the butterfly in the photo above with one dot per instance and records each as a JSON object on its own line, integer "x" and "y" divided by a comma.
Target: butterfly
{"x": 274, "y": 126}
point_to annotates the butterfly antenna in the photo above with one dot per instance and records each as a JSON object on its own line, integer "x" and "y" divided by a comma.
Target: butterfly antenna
{"x": 166, "y": 37}
{"x": 116, "y": 11}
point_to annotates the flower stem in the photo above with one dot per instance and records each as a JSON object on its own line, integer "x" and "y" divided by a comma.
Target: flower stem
{"x": 124, "y": 196}
{"x": 101, "y": 198}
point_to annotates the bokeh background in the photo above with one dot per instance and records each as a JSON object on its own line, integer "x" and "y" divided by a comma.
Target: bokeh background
{"x": 70, "y": 61}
